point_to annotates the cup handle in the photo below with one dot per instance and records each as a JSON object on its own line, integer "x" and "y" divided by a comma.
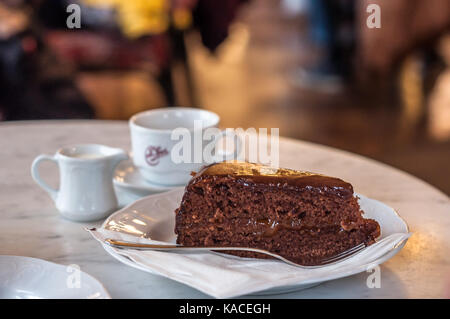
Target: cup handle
{"x": 37, "y": 178}
{"x": 237, "y": 148}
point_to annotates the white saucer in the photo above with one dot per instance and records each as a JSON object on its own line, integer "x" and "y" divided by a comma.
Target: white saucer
{"x": 32, "y": 278}
{"x": 127, "y": 176}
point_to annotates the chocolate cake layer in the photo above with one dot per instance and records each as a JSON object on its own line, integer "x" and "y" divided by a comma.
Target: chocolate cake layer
{"x": 304, "y": 217}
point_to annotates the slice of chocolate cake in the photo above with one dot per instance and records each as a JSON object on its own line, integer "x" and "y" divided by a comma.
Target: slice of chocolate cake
{"x": 301, "y": 216}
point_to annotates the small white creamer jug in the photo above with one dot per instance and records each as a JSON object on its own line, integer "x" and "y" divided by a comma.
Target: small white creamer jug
{"x": 86, "y": 191}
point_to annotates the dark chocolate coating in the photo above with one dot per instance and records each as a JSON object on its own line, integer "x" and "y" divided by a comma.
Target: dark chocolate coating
{"x": 276, "y": 177}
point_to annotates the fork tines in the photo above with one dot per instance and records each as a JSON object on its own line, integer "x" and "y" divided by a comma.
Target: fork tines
{"x": 343, "y": 255}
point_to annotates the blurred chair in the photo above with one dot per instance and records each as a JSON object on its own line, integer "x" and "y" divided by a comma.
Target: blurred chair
{"x": 115, "y": 35}
{"x": 25, "y": 93}
{"x": 110, "y": 42}
{"x": 404, "y": 54}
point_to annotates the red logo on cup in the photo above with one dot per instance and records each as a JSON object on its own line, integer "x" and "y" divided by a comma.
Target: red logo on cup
{"x": 153, "y": 154}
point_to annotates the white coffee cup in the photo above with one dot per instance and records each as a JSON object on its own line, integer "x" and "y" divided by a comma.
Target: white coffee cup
{"x": 152, "y": 142}
{"x": 86, "y": 190}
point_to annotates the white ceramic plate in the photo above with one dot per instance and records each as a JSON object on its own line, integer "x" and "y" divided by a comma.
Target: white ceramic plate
{"x": 153, "y": 217}
{"x": 127, "y": 177}
{"x": 32, "y": 278}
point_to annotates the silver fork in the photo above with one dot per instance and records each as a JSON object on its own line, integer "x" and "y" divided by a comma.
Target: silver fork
{"x": 172, "y": 247}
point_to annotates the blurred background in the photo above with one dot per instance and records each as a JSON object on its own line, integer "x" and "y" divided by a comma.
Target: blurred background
{"x": 313, "y": 68}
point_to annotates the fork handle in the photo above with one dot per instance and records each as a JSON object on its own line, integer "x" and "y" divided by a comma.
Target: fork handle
{"x": 165, "y": 247}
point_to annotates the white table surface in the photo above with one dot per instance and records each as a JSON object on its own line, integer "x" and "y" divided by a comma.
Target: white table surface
{"x": 31, "y": 226}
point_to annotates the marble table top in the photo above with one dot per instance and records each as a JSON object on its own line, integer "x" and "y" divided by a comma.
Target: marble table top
{"x": 31, "y": 226}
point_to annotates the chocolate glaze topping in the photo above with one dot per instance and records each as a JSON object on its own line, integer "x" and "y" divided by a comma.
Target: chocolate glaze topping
{"x": 280, "y": 177}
